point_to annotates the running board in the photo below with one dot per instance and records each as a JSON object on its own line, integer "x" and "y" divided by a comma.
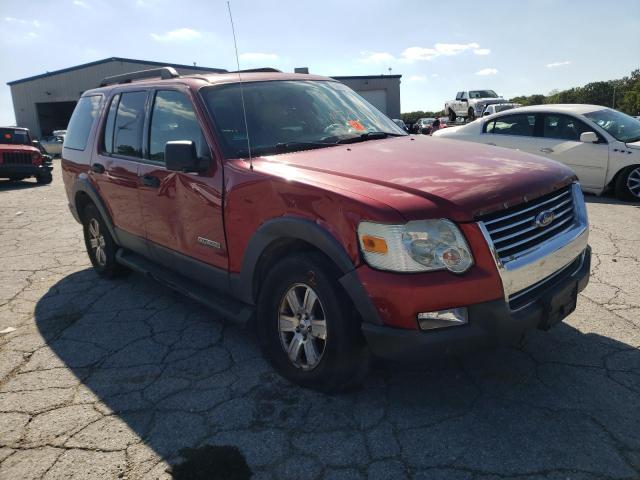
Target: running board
{"x": 220, "y": 303}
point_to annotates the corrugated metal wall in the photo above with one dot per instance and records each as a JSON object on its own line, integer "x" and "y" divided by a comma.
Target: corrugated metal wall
{"x": 66, "y": 86}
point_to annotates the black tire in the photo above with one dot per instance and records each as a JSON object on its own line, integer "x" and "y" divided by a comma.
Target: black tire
{"x": 452, "y": 116}
{"x": 472, "y": 115}
{"x": 103, "y": 261}
{"x": 626, "y": 186}
{"x": 44, "y": 178}
{"x": 344, "y": 360}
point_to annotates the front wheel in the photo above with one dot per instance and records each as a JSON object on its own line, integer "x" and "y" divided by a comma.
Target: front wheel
{"x": 307, "y": 327}
{"x": 627, "y": 186}
{"x": 44, "y": 178}
{"x": 452, "y": 116}
{"x": 472, "y": 115}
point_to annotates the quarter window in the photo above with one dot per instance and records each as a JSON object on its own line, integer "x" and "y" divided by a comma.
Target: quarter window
{"x": 173, "y": 118}
{"x": 522, "y": 125}
{"x": 127, "y": 134}
{"x": 108, "y": 128}
{"x": 81, "y": 122}
{"x": 563, "y": 127}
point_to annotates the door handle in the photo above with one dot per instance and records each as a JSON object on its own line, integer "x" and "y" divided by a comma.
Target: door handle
{"x": 150, "y": 181}
{"x": 546, "y": 150}
{"x": 97, "y": 167}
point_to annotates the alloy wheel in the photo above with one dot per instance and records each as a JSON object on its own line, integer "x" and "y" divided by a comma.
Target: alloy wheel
{"x": 633, "y": 182}
{"x": 96, "y": 240}
{"x": 302, "y": 326}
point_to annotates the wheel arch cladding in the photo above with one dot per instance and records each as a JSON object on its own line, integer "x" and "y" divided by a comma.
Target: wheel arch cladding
{"x": 289, "y": 234}
{"x": 85, "y": 194}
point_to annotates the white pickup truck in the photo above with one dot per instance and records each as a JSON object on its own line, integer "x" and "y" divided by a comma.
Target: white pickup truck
{"x": 471, "y": 104}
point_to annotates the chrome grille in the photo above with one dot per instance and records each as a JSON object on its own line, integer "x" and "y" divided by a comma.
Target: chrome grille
{"x": 517, "y": 231}
{"x": 16, "y": 158}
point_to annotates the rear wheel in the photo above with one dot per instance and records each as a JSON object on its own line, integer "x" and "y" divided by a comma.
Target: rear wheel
{"x": 100, "y": 244}
{"x": 627, "y": 185}
{"x": 307, "y": 327}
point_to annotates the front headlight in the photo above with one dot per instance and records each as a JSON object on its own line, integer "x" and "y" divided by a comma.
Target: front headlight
{"x": 418, "y": 246}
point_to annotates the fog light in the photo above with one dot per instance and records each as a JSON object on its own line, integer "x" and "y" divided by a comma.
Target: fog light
{"x": 442, "y": 318}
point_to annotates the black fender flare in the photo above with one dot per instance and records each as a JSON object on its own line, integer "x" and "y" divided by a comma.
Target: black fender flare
{"x": 82, "y": 184}
{"x": 302, "y": 229}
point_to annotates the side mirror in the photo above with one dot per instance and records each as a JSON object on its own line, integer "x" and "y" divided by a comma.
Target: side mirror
{"x": 181, "y": 156}
{"x": 464, "y": 100}
{"x": 588, "y": 137}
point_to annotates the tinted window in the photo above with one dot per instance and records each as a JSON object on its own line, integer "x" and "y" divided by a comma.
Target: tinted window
{"x": 108, "y": 128}
{"x": 173, "y": 118}
{"x": 81, "y": 122}
{"x": 563, "y": 127}
{"x": 127, "y": 135}
{"x": 513, "y": 125}
{"x": 13, "y": 136}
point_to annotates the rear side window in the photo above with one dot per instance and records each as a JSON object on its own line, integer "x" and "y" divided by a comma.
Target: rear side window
{"x": 173, "y": 118}
{"x": 81, "y": 122}
{"x": 127, "y": 130}
{"x": 522, "y": 125}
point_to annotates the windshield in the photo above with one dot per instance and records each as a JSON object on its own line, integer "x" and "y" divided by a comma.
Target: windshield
{"x": 617, "y": 124}
{"x": 11, "y": 136}
{"x": 294, "y": 114}
{"x": 483, "y": 94}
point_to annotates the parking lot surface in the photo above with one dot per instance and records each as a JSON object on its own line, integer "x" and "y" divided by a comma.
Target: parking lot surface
{"x": 125, "y": 379}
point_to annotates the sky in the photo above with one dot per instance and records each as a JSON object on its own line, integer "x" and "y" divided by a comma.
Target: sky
{"x": 439, "y": 47}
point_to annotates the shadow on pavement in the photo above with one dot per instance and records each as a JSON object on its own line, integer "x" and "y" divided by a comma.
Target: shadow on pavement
{"x": 8, "y": 185}
{"x": 192, "y": 389}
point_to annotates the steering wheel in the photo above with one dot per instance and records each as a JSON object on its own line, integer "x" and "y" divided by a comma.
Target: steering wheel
{"x": 332, "y": 127}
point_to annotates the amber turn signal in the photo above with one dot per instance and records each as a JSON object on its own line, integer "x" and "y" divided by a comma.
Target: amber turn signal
{"x": 374, "y": 244}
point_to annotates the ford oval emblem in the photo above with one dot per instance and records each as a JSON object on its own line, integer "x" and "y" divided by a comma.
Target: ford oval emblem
{"x": 544, "y": 218}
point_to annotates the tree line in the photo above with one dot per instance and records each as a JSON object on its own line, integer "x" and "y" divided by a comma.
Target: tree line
{"x": 622, "y": 94}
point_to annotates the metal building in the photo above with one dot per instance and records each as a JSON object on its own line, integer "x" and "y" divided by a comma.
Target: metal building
{"x": 44, "y": 103}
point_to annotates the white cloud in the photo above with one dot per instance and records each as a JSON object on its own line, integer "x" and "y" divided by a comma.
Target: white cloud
{"x": 558, "y": 64}
{"x": 417, "y": 78}
{"x": 178, "y": 35}
{"x": 487, "y": 71}
{"x": 376, "y": 57}
{"x": 80, "y": 3}
{"x": 435, "y": 75}
{"x": 19, "y": 21}
{"x": 32, "y": 35}
{"x": 257, "y": 57}
{"x": 415, "y": 54}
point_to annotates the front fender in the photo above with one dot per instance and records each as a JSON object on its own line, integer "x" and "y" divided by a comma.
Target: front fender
{"x": 242, "y": 284}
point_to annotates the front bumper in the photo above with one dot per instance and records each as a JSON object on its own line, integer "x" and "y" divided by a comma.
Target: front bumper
{"x": 24, "y": 170}
{"x": 490, "y": 324}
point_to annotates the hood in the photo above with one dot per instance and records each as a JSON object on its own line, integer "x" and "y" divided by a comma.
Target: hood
{"x": 426, "y": 177}
{"x": 17, "y": 148}
{"x": 634, "y": 145}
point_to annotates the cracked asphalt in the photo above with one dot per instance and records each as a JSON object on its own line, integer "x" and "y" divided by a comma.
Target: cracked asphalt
{"x": 114, "y": 379}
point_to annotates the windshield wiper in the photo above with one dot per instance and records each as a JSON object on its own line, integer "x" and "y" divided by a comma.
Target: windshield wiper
{"x": 288, "y": 146}
{"x": 369, "y": 136}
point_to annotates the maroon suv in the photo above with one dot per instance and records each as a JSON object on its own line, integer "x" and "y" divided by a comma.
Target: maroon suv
{"x": 290, "y": 196}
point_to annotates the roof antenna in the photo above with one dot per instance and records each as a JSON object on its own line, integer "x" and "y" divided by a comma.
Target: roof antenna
{"x": 244, "y": 111}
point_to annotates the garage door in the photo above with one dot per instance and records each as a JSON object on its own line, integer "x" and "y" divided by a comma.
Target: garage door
{"x": 377, "y": 98}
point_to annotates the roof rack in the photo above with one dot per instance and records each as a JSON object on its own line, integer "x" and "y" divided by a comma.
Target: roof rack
{"x": 261, "y": 69}
{"x": 164, "y": 73}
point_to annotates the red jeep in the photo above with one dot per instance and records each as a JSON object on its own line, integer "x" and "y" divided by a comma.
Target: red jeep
{"x": 290, "y": 196}
{"x": 20, "y": 159}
